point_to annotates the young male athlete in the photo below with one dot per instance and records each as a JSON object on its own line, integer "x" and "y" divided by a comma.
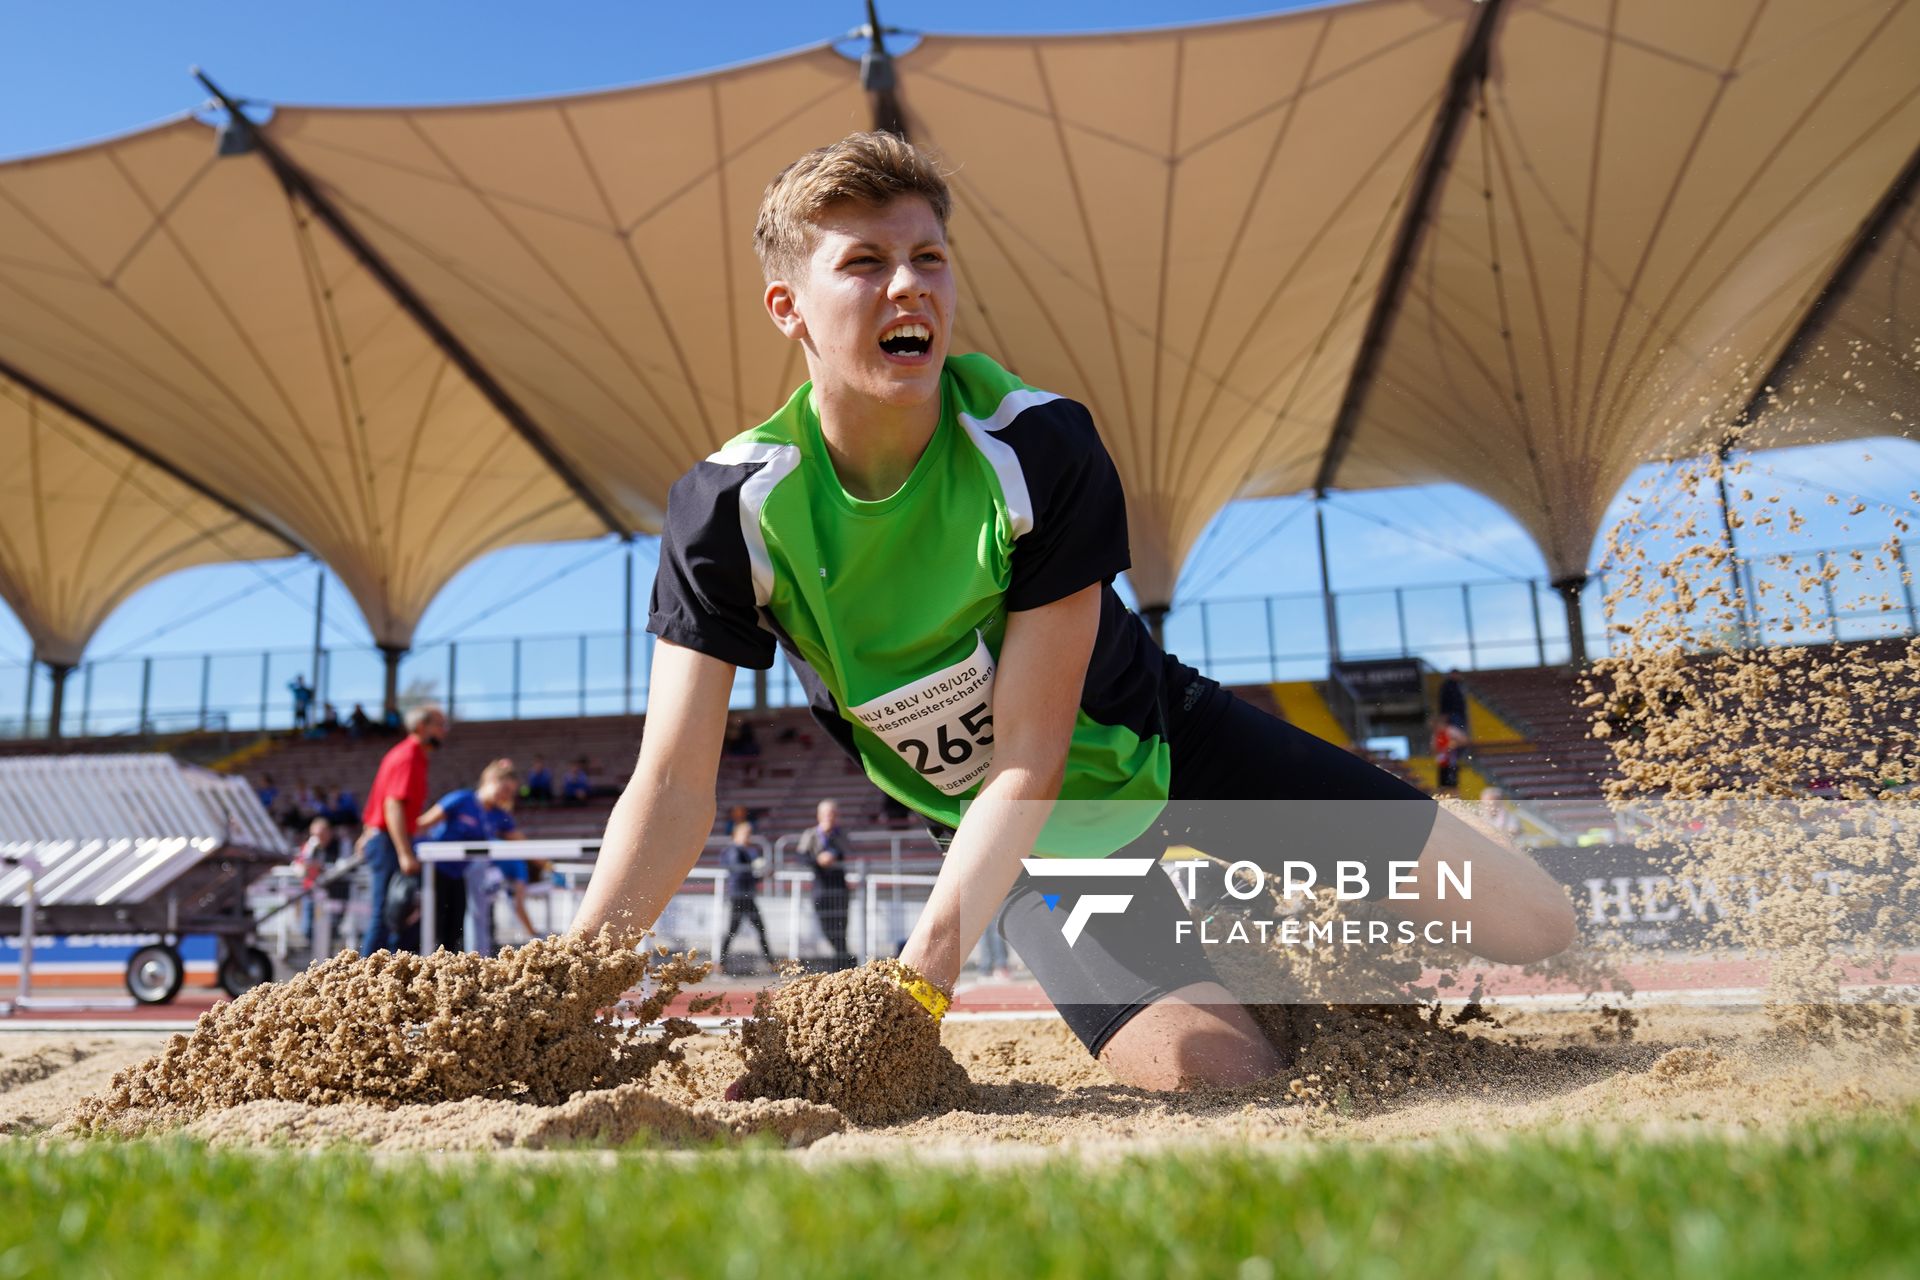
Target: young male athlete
{"x": 933, "y": 543}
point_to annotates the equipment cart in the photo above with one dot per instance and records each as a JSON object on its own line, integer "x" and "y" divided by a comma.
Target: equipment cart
{"x": 134, "y": 844}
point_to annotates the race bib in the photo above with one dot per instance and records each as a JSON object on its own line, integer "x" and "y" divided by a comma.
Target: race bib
{"x": 942, "y": 724}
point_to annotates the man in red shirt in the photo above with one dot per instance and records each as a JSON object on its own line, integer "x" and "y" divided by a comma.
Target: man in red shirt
{"x": 394, "y": 803}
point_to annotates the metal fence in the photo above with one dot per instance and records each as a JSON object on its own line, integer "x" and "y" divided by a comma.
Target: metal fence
{"x": 1469, "y": 625}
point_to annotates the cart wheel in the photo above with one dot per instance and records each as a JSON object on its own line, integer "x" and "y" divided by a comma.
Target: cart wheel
{"x": 244, "y": 969}
{"x": 155, "y": 973}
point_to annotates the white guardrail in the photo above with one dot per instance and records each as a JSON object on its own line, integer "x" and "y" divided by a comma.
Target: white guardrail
{"x": 885, "y": 915}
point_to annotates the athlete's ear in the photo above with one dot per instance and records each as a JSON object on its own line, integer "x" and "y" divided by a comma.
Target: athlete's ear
{"x": 784, "y": 306}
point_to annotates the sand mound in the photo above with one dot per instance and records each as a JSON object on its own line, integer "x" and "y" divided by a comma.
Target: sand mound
{"x": 398, "y": 1028}
{"x": 451, "y": 1050}
{"x": 852, "y": 1040}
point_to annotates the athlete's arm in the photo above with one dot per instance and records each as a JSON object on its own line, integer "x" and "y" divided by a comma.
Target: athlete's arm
{"x": 402, "y": 836}
{"x": 1036, "y": 693}
{"x": 660, "y": 823}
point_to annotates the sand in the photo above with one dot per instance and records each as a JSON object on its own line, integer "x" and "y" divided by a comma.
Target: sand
{"x": 855, "y": 1041}
{"x": 452, "y": 1051}
{"x": 1034, "y": 1090}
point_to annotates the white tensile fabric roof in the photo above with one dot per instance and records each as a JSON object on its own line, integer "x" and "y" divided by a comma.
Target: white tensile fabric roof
{"x": 1518, "y": 245}
{"x": 85, "y": 522}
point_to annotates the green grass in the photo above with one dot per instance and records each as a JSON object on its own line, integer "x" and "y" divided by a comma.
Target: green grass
{"x": 1837, "y": 1198}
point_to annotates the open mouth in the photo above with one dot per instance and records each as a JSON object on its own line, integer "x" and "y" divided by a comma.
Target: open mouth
{"x": 908, "y": 340}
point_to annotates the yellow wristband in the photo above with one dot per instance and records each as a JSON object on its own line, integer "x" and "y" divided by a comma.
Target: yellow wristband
{"x": 931, "y": 998}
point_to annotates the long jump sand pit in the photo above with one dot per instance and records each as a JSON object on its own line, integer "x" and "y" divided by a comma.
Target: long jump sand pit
{"x": 301, "y": 1063}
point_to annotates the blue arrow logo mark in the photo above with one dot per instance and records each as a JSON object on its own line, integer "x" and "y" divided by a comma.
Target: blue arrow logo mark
{"x": 1052, "y": 900}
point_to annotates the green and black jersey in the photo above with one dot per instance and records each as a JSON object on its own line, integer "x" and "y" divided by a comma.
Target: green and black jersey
{"x": 892, "y": 612}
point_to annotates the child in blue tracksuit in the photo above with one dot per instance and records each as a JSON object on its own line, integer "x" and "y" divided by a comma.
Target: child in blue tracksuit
{"x": 479, "y": 813}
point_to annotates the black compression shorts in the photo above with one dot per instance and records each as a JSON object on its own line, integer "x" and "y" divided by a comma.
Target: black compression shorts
{"x": 1221, "y": 749}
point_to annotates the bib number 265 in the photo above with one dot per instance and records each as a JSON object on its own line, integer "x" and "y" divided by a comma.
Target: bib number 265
{"x": 949, "y": 749}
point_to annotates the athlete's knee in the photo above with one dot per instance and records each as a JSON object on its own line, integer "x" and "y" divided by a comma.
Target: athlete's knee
{"x": 1177, "y": 1044}
{"x": 1551, "y": 925}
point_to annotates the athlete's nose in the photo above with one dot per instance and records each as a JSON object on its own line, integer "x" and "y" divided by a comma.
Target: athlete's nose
{"x": 908, "y": 282}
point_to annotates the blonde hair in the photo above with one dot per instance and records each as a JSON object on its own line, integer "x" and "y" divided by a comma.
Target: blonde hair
{"x": 869, "y": 168}
{"x": 500, "y": 770}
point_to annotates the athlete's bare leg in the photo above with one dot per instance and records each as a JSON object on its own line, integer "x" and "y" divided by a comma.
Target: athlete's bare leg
{"x": 1197, "y": 1035}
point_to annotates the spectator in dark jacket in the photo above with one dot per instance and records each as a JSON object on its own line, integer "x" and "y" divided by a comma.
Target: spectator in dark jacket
{"x": 745, "y": 866}
{"x": 824, "y": 847}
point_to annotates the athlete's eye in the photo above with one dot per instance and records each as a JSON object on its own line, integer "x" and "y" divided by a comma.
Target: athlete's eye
{"x": 930, "y": 256}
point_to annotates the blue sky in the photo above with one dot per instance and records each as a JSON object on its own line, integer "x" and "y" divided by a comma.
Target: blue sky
{"x": 84, "y": 69}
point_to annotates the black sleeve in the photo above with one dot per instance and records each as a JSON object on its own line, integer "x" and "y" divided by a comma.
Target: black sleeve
{"x": 1079, "y": 533}
{"x": 703, "y": 591}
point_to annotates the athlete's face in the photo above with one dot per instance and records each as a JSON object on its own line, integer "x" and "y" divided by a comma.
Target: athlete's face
{"x": 874, "y": 303}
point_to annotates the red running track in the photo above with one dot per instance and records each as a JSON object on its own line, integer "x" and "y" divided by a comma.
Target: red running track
{"x": 1736, "y": 980}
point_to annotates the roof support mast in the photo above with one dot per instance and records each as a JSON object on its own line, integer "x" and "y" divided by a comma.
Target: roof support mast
{"x": 297, "y": 183}
{"x": 1872, "y": 231}
{"x": 1469, "y": 69}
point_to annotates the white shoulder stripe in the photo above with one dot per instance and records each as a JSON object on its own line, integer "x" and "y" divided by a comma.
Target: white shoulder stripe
{"x": 780, "y": 460}
{"x": 1000, "y": 455}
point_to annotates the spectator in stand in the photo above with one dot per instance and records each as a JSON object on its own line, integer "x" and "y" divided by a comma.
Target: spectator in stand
{"x": 268, "y": 793}
{"x": 576, "y": 786}
{"x": 330, "y": 720}
{"x": 539, "y": 788}
{"x": 740, "y": 738}
{"x": 482, "y": 812}
{"x": 394, "y": 804}
{"x": 739, "y": 813}
{"x": 343, "y": 810}
{"x": 1453, "y": 701}
{"x": 359, "y": 724}
{"x": 745, "y": 866}
{"x": 302, "y": 702}
{"x": 824, "y": 846}
{"x": 308, "y": 802}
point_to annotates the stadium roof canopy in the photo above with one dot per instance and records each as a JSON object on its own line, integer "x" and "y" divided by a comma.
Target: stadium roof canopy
{"x": 1522, "y": 245}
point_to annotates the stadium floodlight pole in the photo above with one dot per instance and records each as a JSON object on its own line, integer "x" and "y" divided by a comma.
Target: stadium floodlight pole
{"x": 1326, "y": 578}
{"x": 296, "y": 182}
